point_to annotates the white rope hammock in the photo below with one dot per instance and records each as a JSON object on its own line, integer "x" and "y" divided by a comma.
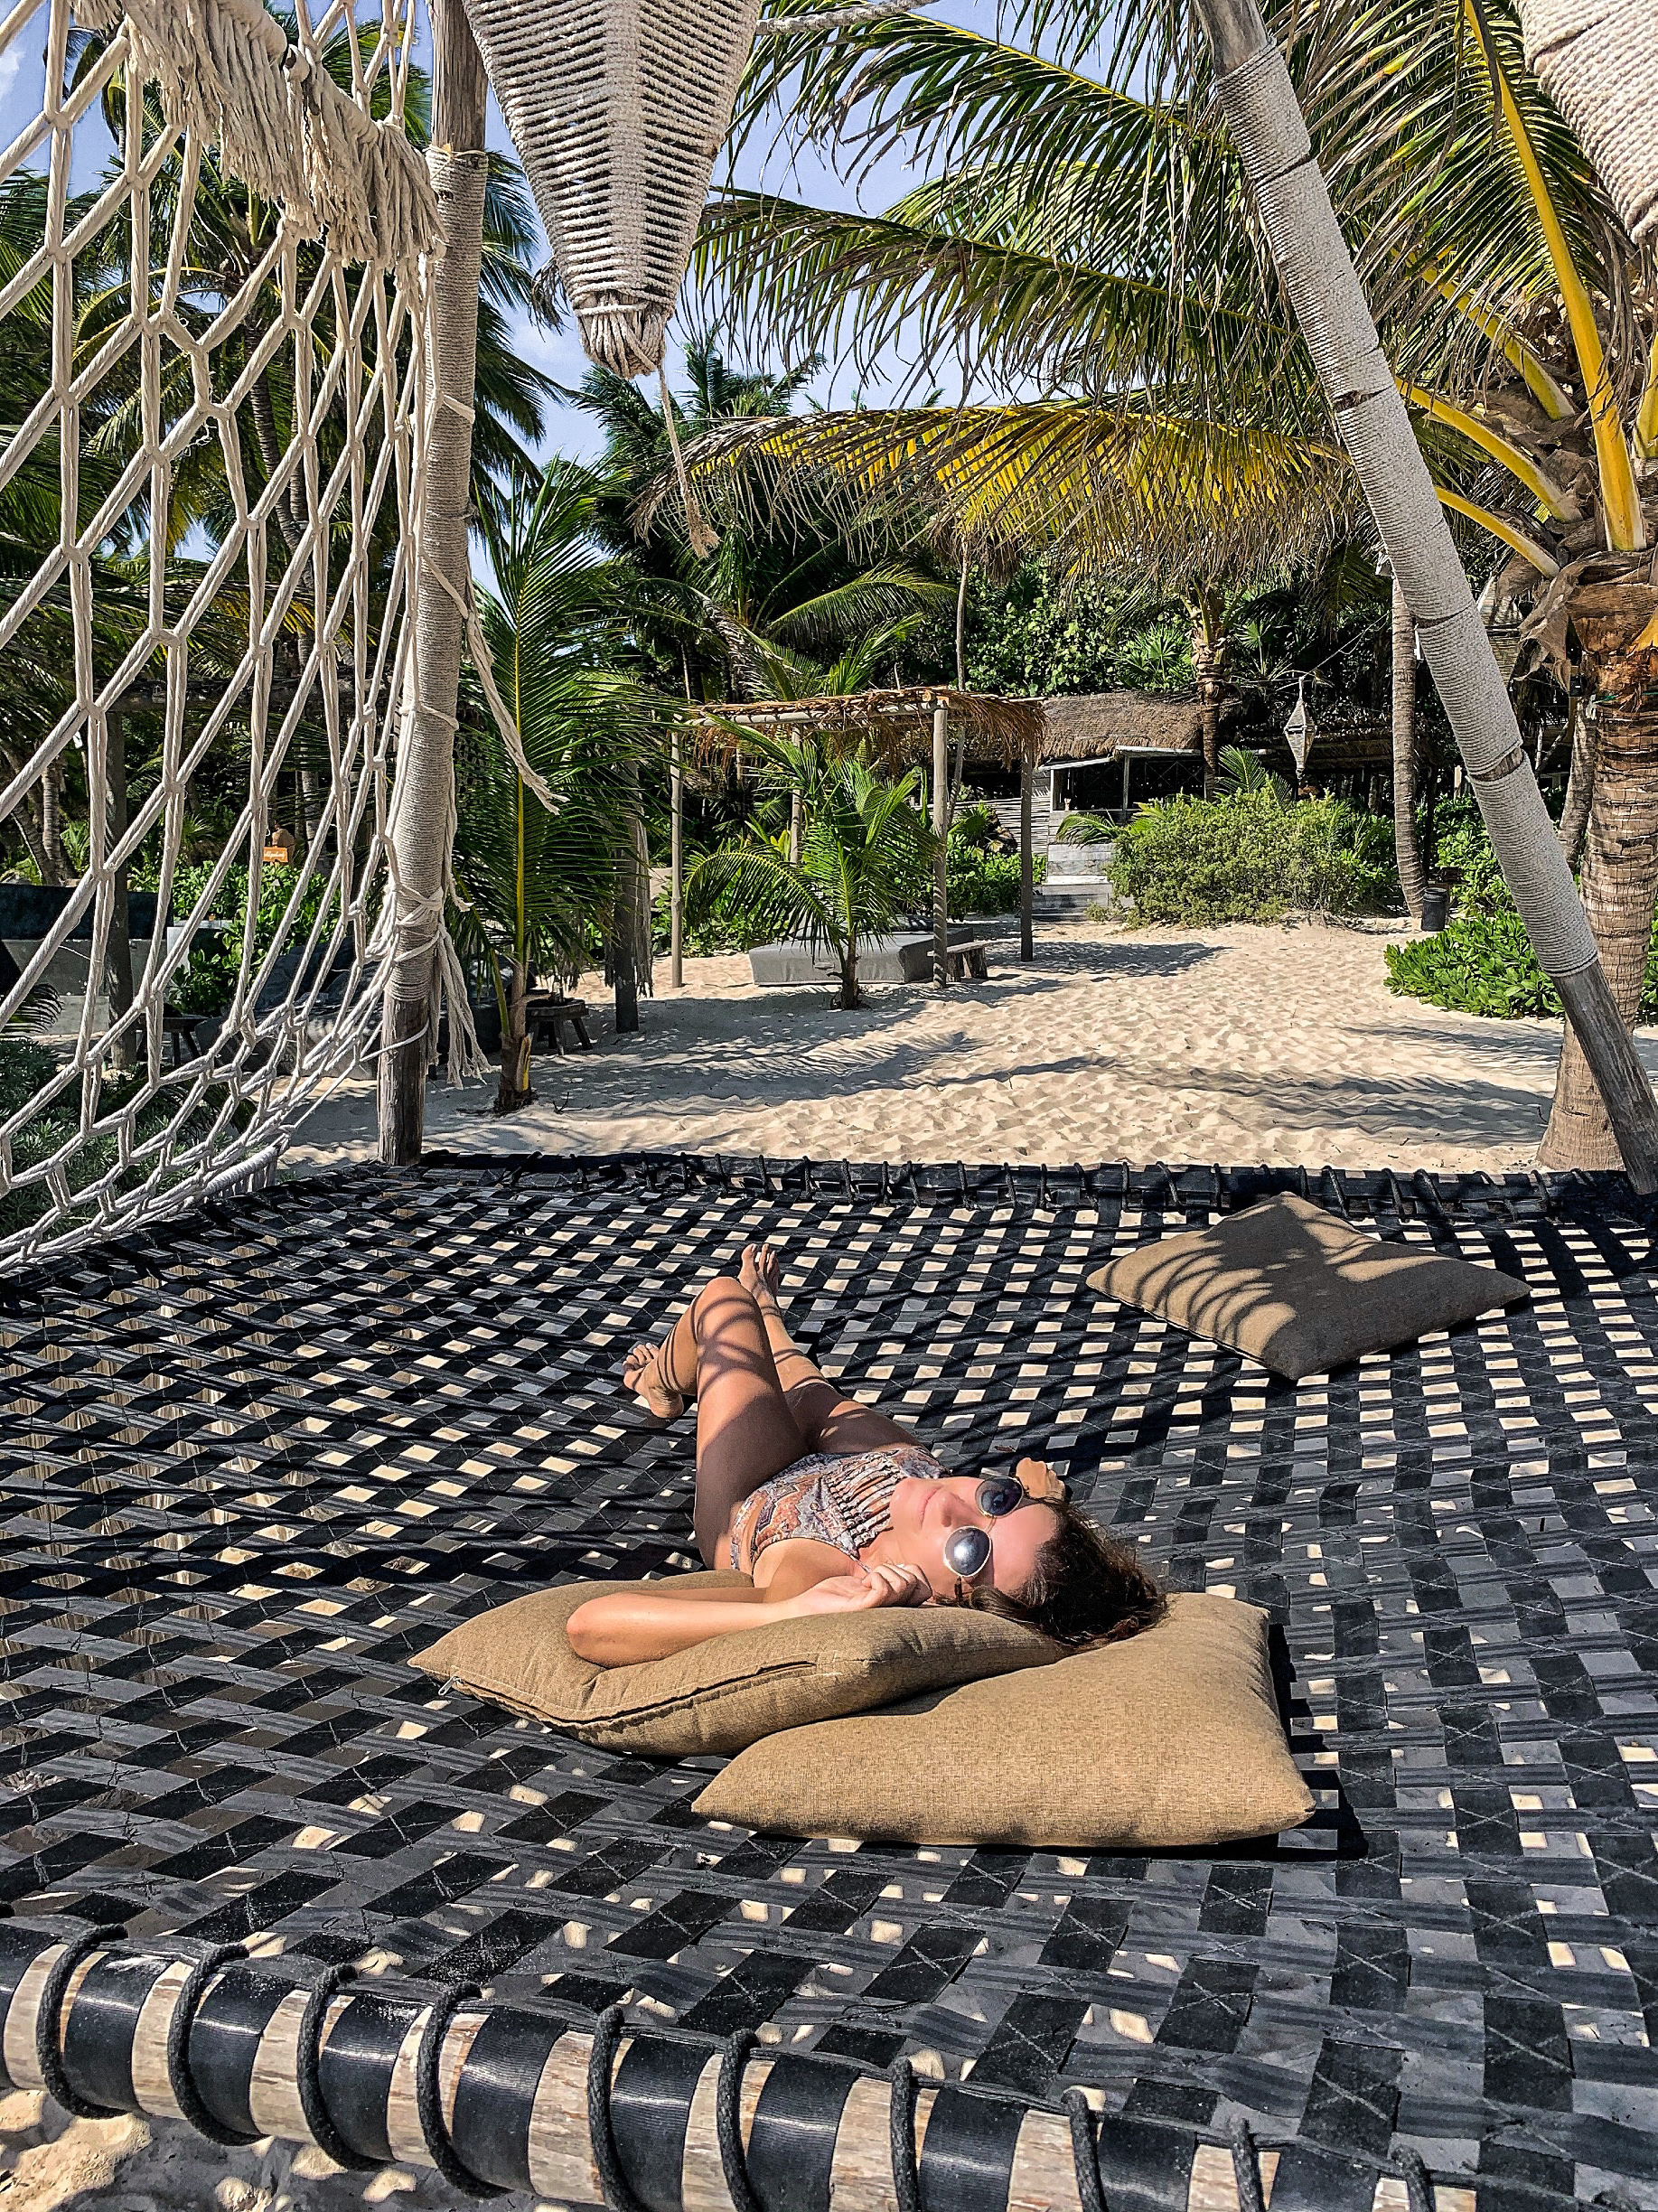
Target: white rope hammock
{"x": 215, "y": 485}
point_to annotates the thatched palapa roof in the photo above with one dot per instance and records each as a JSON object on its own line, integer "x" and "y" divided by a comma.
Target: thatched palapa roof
{"x": 896, "y": 724}
{"x": 1094, "y": 724}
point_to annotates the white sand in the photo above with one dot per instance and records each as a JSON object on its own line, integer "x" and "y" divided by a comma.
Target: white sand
{"x": 1239, "y": 1046}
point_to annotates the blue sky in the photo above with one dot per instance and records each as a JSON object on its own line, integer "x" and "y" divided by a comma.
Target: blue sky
{"x": 810, "y": 178}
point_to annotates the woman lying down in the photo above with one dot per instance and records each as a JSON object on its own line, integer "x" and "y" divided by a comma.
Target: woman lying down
{"x": 832, "y": 1507}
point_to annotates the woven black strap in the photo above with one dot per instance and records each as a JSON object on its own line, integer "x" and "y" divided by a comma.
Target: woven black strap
{"x": 429, "y": 2100}
{"x": 48, "y": 2021}
{"x": 181, "y": 2081}
{"x": 308, "y": 2068}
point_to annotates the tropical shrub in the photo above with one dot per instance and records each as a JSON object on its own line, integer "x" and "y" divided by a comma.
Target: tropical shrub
{"x": 1249, "y": 857}
{"x": 983, "y": 873}
{"x": 207, "y": 981}
{"x": 1481, "y": 961}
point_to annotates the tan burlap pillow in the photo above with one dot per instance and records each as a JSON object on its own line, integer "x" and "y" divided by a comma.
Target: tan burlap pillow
{"x": 729, "y": 1692}
{"x": 1170, "y": 1741}
{"x": 1298, "y": 1289}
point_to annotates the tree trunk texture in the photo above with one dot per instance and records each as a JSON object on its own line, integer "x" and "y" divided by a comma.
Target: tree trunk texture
{"x": 1620, "y": 883}
{"x": 1579, "y": 784}
{"x": 514, "y": 1090}
{"x": 1209, "y": 652}
{"x": 1408, "y": 854}
{"x": 628, "y": 953}
{"x": 51, "y": 825}
{"x": 676, "y": 896}
{"x": 425, "y": 753}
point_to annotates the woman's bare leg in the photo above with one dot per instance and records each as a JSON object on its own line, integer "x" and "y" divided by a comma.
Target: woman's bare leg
{"x": 718, "y": 1352}
{"x": 827, "y": 1419}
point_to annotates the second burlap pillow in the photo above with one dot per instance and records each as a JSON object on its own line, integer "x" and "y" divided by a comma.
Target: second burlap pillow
{"x": 1170, "y": 1741}
{"x": 1298, "y": 1288}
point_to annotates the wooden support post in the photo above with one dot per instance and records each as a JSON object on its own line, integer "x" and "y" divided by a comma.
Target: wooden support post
{"x": 1027, "y": 860}
{"x": 118, "y": 957}
{"x": 458, "y": 165}
{"x": 676, "y": 894}
{"x": 941, "y": 860}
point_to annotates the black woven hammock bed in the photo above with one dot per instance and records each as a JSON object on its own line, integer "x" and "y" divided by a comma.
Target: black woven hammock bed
{"x": 261, "y": 1875}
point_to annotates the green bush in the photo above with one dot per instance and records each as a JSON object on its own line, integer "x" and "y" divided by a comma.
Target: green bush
{"x": 983, "y": 876}
{"x": 1249, "y": 857}
{"x": 1483, "y": 962}
{"x": 207, "y": 981}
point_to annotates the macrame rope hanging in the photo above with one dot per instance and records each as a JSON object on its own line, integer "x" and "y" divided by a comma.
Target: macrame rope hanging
{"x": 1598, "y": 62}
{"x": 618, "y": 108}
{"x": 222, "y": 486}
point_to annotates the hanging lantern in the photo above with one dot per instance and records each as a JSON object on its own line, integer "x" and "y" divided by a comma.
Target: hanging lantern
{"x": 1299, "y": 730}
{"x": 618, "y": 108}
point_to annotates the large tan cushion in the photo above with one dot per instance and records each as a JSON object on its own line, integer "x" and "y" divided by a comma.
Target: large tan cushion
{"x": 723, "y": 1694}
{"x": 1171, "y": 1739}
{"x": 1298, "y": 1289}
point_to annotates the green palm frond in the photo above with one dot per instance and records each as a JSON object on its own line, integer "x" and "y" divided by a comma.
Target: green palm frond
{"x": 1174, "y": 493}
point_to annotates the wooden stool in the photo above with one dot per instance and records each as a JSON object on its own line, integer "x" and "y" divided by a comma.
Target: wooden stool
{"x": 546, "y": 1010}
{"x": 179, "y": 1031}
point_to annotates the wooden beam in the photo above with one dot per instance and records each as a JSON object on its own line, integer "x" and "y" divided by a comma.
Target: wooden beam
{"x": 676, "y": 897}
{"x": 940, "y": 858}
{"x": 1027, "y": 860}
{"x": 425, "y": 747}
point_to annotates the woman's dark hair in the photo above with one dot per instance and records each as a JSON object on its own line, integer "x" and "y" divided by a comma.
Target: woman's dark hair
{"x": 1087, "y": 1588}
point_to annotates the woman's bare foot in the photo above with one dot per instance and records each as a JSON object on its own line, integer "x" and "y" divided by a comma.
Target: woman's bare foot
{"x": 761, "y": 1275}
{"x": 642, "y": 1371}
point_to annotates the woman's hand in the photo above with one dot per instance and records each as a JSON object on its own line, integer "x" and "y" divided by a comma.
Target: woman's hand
{"x": 861, "y": 1591}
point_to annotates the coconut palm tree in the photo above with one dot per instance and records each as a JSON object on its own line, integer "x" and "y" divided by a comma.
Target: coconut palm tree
{"x": 534, "y": 884}
{"x": 866, "y": 854}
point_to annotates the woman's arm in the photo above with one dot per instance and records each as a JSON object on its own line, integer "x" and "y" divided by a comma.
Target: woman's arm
{"x": 625, "y": 1626}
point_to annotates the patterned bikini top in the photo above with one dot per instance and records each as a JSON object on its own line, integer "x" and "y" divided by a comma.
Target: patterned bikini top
{"x": 844, "y": 1503}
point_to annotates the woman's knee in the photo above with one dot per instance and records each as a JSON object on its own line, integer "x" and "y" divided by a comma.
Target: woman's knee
{"x": 721, "y": 1292}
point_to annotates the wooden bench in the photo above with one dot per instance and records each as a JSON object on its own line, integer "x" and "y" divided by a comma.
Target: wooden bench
{"x": 967, "y": 960}
{"x": 547, "y": 1011}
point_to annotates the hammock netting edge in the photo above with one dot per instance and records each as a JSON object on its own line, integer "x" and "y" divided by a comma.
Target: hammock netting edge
{"x": 255, "y": 1458}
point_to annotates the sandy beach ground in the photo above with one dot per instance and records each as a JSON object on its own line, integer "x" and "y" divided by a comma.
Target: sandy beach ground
{"x": 1239, "y": 1046}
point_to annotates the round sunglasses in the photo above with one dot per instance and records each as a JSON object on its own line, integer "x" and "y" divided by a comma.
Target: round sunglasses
{"x": 968, "y": 1550}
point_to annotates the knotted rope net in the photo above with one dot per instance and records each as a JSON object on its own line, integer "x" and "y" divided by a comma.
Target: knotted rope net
{"x": 215, "y": 249}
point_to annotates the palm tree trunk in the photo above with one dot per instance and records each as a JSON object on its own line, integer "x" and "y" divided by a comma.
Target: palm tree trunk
{"x": 424, "y": 798}
{"x": 1318, "y": 273}
{"x": 52, "y": 824}
{"x": 514, "y": 1090}
{"x": 118, "y": 947}
{"x": 627, "y": 953}
{"x": 1579, "y": 785}
{"x": 1209, "y": 666}
{"x": 847, "y": 1000}
{"x": 1620, "y": 883}
{"x": 1407, "y": 853}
